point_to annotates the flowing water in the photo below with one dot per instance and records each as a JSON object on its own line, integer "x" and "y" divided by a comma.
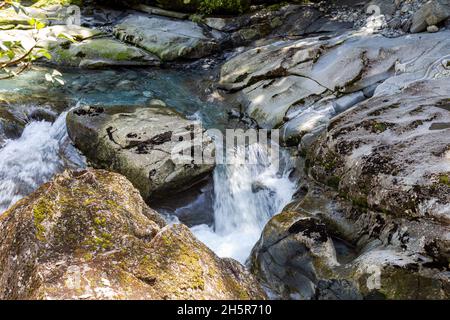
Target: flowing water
{"x": 43, "y": 150}
{"x": 245, "y": 197}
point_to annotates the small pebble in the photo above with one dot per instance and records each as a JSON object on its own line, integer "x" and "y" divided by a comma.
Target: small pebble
{"x": 432, "y": 29}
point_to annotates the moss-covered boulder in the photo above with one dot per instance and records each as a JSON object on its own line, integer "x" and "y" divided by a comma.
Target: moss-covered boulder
{"x": 89, "y": 235}
{"x": 76, "y": 46}
{"x": 99, "y": 52}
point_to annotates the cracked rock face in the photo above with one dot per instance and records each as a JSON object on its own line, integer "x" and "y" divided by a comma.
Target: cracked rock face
{"x": 293, "y": 255}
{"x": 167, "y": 38}
{"x": 281, "y": 82}
{"x": 89, "y": 235}
{"x": 393, "y": 152}
{"x": 144, "y": 144}
{"x": 378, "y": 255}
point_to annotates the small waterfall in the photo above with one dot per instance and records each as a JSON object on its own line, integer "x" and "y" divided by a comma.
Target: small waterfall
{"x": 43, "y": 150}
{"x": 246, "y": 196}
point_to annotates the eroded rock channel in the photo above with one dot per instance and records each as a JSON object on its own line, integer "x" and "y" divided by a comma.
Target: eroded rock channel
{"x": 96, "y": 204}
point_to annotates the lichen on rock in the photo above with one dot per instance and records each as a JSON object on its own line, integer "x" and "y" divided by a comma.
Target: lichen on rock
{"x": 89, "y": 235}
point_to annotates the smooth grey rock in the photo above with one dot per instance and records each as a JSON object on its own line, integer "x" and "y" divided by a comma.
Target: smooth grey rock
{"x": 279, "y": 82}
{"x": 167, "y": 38}
{"x": 143, "y": 143}
{"x": 375, "y": 139}
{"x": 293, "y": 254}
{"x": 431, "y": 13}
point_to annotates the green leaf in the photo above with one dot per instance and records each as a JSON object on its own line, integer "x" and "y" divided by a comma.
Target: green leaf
{"x": 49, "y": 77}
{"x": 60, "y": 81}
{"x": 45, "y": 53}
{"x": 40, "y": 25}
{"x": 56, "y": 73}
{"x": 64, "y": 35}
{"x": 10, "y": 54}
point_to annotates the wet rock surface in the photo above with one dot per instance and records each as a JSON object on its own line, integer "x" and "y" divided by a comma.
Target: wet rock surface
{"x": 300, "y": 85}
{"x": 398, "y": 153}
{"x": 89, "y": 235}
{"x": 167, "y": 38}
{"x": 382, "y": 257}
{"x": 144, "y": 144}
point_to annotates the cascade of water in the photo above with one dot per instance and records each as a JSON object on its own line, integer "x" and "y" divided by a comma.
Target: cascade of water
{"x": 246, "y": 196}
{"x": 43, "y": 150}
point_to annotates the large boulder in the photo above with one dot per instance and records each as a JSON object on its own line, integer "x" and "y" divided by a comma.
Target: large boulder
{"x": 169, "y": 39}
{"x": 300, "y": 85}
{"x": 397, "y": 147}
{"x": 324, "y": 247}
{"x": 140, "y": 143}
{"x": 388, "y": 159}
{"x": 76, "y": 46}
{"x": 295, "y": 257}
{"x": 430, "y": 14}
{"x": 89, "y": 235}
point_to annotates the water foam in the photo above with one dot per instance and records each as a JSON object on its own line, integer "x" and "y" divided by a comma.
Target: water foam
{"x": 246, "y": 197}
{"x": 43, "y": 150}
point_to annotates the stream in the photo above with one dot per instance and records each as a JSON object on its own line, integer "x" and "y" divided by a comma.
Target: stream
{"x": 244, "y": 196}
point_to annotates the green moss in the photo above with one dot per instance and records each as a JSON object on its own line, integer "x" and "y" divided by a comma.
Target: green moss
{"x": 206, "y": 6}
{"x": 360, "y": 202}
{"x": 379, "y": 127}
{"x": 101, "y": 242}
{"x": 277, "y": 6}
{"x": 100, "y": 221}
{"x": 333, "y": 182}
{"x": 329, "y": 162}
{"x": 107, "y": 49}
{"x": 444, "y": 179}
{"x": 46, "y": 3}
{"x": 40, "y": 212}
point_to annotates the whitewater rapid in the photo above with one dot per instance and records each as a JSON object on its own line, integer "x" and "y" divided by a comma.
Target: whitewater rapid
{"x": 43, "y": 150}
{"x": 246, "y": 196}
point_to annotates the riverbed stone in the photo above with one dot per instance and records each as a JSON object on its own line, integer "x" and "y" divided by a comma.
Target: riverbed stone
{"x": 431, "y": 13}
{"x": 89, "y": 235}
{"x": 76, "y": 46}
{"x": 141, "y": 143}
{"x": 372, "y": 255}
{"x": 282, "y": 81}
{"x": 169, "y": 39}
{"x": 101, "y": 52}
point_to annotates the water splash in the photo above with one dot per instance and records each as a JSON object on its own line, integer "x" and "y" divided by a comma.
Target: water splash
{"x": 43, "y": 150}
{"x": 246, "y": 197}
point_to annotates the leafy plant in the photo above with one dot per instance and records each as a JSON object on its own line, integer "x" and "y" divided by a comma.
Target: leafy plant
{"x": 15, "y": 57}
